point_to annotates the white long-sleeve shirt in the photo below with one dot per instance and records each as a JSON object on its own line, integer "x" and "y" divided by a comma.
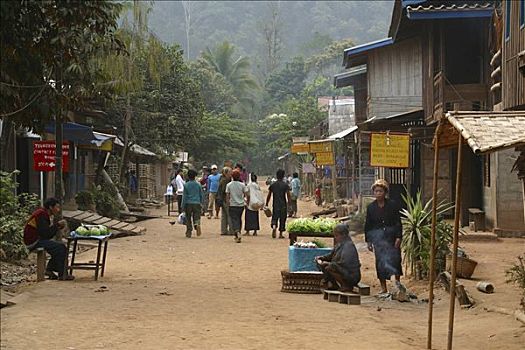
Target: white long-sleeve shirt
{"x": 180, "y": 185}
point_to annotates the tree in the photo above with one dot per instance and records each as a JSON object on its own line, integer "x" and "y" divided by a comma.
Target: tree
{"x": 236, "y": 71}
{"x": 47, "y": 52}
{"x": 272, "y": 34}
{"x": 287, "y": 83}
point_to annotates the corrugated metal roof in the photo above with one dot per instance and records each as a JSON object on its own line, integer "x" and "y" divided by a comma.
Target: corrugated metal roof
{"x": 343, "y": 134}
{"x": 346, "y": 78}
{"x": 139, "y": 150}
{"x": 360, "y": 49}
{"x": 490, "y": 131}
{"x": 466, "y": 10}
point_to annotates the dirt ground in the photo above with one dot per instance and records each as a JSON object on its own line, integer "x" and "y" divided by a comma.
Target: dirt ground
{"x": 164, "y": 291}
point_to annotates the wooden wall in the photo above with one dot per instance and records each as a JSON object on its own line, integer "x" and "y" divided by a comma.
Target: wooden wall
{"x": 394, "y": 79}
{"x": 513, "y": 93}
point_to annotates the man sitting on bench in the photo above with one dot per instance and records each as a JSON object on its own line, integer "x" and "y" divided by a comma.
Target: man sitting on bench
{"x": 38, "y": 233}
{"x": 341, "y": 268}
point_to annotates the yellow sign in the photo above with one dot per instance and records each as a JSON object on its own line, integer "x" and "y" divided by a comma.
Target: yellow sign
{"x": 390, "y": 150}
{"x": 106, "y": 146}
{"x": 324, "y": 158}
{"x": 318, "y": 147}
{"x": 300, "y": 148}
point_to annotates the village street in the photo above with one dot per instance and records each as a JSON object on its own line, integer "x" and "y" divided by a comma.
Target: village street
{"x": 164, "y": 291}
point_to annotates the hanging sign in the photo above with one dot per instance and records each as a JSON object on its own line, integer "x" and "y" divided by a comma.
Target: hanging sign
{"x": 318, "y": 147}
{"x": 324, "y": 158}
{"x": 300, "y": 148}
{"x": 44, "y": 156}
{"x": 390, "y": 150}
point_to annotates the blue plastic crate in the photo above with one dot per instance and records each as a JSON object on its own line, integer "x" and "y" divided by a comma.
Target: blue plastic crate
{"x": 302, "y": 259}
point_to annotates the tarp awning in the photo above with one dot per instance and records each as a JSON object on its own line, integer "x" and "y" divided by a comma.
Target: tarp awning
{"x": 484, "y": 132}
{"x": 73, "y": 132}
{"x": 343, "y": 134}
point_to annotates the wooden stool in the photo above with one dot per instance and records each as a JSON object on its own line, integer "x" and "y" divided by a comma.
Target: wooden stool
{"x": 341, "y": 297}
{"x": 40, "y": 264}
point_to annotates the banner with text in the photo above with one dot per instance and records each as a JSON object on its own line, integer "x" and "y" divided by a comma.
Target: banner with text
{"x": 317, "y": 147}
{"x": 390, "y": 150}
{"x": 324, "y": 158}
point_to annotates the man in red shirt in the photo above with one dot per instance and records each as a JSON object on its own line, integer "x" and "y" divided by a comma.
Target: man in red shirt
{"x": 39, "y": 232}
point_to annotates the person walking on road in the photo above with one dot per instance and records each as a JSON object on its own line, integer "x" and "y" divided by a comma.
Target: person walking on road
{"x": 191, "y": 204}
{"x": 236, "y": 191}
{"x": 222, "y": 203}
{"x": 281, "y": 194}
{"x": 295, "y": 184}
{"x": 204, "y": 184}
{"x": 213, "y": 187}
{"x": 179, "y": 185}
{"x": 256, "y": 202}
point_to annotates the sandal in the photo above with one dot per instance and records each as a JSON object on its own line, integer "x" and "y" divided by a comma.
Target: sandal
{"x": 51, "y": 275}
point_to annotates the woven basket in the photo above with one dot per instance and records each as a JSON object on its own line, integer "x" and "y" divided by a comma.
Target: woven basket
{"x": 301, "y": 282}
{"x": 464, "y": 268}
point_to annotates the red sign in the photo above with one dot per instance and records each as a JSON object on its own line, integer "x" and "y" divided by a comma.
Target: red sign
{"x": 44, "y": 156}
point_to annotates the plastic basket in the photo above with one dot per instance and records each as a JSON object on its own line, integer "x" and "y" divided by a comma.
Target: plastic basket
{"x": 464, "y": 268}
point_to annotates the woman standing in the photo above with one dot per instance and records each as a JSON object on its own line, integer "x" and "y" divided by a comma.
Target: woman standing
{"x": 383, "y": 234}
{"x": 251, "y": 218}
{"x": 221, "y": 201}
{"x": 235, "y": 193}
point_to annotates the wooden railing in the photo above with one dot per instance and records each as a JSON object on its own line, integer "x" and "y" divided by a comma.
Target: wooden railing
{"x": 468, "y": 97}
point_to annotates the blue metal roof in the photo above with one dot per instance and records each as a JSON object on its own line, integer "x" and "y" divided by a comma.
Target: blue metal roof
{"x": 367, "y": 47}
{"x": 473, "y": 10}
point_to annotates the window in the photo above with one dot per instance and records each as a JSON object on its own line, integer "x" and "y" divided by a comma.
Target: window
{"x": 508, "y": 7}
{"x": 522, "y": 14}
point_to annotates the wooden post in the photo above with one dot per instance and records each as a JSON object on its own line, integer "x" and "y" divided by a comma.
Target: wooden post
{"x": 40, "y": 264}
{"x": 457, "y": 213}
{"x": 433, "y": 238}
{"x": 334, "y": 182}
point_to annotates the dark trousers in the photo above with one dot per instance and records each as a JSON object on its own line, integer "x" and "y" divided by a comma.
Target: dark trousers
{"x": 334, "y": 274}
{"x": 193, "y": 217}
{"x": 179, "y": 203}
{"x": 236, "y": 218}
{"x": 279, "y": 215}
{"x": 58, "y": 253}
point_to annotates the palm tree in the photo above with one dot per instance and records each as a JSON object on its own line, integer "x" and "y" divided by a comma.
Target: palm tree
{"x": 236, "y": 71}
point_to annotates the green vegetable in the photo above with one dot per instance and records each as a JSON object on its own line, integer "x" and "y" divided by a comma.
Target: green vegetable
{"x": 305, "y": 225}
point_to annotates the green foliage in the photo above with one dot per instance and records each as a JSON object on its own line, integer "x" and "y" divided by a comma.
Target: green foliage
{"x": 287, "y": 83}
{"x": 14, "y": 212}
{"x": 48, "y": 49}
{"x": 105, "y": 203}
{"x": 417, "y": 221}
{"x": 319, "y": 243}
{"x": 307, "y": 225}
{"x": 516, "y": 274}
{"x": 84, "y": 200}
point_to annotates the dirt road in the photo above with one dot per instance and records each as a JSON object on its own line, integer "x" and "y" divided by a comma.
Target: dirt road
{"x": 164, "y": 291}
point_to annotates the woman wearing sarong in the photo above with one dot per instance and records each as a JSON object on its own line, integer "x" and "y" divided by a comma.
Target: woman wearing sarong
{"x": 251, "y": 218}
{"x": 383, "y": 234}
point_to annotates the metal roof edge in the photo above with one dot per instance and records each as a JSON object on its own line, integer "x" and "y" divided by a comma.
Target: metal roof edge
{"x": 367, "y": 47}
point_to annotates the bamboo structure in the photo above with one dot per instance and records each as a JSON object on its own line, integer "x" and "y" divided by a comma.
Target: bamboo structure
{"x": 433, "y": 238}
{"x": 457, "y": 214}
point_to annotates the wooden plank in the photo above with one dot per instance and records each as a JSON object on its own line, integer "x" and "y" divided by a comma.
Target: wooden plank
{"x": 93, "y": 218}
{"x": 119, "y": 225}
{"x": 83, "y": 216}
{"x": 461, "y": 294}
{"x": 113, "y": 222}
{"x": 138, "y": 229}
{"x": 364, "y": 289}
{"x": 71, "y": 213}
{"x": 349, "y": 298}
{"x": 102, "y": 221}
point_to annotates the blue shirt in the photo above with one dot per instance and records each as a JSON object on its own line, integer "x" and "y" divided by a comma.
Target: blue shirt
{"x": 296, "y": 187}
{"x": 213, "y": 183}
{"x": 192, "y": 193}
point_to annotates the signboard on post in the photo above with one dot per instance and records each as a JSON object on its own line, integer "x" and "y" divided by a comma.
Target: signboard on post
{"x": 300, "y": 148}
{"x": 44, "y": 156}
{"x": 390, "y": 150}
{"x": 324, "y": 158}
{"x": 318, "y": 147}
{"x": 308, "y": 168}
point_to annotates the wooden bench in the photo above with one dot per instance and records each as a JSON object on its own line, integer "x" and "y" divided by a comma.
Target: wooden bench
{"x": 342, "y": 297}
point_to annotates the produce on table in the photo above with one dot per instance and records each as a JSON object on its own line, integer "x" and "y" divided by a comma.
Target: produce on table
{"x": 92, "y": 230}
{"x": 313, "y": 244}
{"x": 305, "y": 225}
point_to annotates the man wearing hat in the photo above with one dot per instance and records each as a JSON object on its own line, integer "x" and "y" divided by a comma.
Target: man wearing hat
{"x": 213, "y": 187}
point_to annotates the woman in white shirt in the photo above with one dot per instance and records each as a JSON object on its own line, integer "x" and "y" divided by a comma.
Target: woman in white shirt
{"x": 256, "y": 202}
{"x": 235, "y": 193}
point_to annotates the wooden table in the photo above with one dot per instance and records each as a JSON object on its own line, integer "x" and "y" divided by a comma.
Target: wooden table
{"x": 293, "y": 236}
{"x": 97, "y": 265}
